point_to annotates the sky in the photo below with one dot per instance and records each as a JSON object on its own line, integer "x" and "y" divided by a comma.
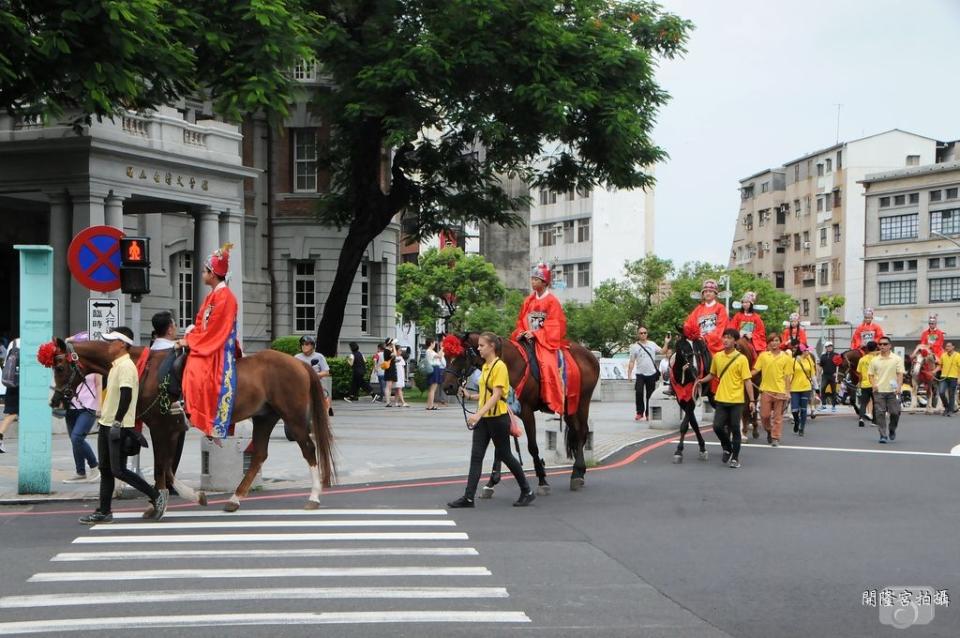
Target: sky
{"x": 759, "y": 87}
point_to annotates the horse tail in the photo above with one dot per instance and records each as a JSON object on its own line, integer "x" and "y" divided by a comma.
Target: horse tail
{"x": 322, "y": 432}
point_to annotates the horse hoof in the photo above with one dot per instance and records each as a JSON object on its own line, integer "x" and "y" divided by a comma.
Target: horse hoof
{"x": 677, "y": 458}
{"x": 202, "y": 498}
{"x": 704, "y": 455}
{"x": 149, "y": 512}
{"x": 756, "y": 434}
{"x": 312, "y": 505}
{"x": 486, "y": 492}
{"x": 576, "y": 484}
{"x": 230, "y": 506}
{"x": 543, "y": 490}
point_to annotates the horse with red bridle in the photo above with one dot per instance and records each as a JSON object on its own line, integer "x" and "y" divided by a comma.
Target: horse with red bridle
{"x": 270, "y": 386}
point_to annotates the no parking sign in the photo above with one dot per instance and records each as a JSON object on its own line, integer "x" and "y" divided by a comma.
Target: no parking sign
{"x": 94, "y": 258}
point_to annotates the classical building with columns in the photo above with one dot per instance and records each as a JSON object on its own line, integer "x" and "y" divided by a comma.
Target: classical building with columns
{"x": 190, "y": 183}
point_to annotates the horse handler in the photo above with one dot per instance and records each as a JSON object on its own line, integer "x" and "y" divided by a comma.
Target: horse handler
{"x": 775, "y": 370}
{"x": 116, "y": 430}
{"x": 732, "y": 372}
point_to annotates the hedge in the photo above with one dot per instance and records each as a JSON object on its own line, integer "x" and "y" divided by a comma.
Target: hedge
{"x": 340, "y": 370}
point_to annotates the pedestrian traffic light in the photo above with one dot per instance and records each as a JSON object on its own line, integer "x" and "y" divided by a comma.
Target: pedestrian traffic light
{"x": 135, "y": 266}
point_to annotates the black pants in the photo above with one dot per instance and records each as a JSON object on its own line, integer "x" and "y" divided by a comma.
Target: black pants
{"x": 644, "y": 387}
{"x": 359, "y": 382}
{"x": 498, "y": 429}
{"x": 113, "y": 464}
{"x": 726, "y": 425}
{"x": 828, "y": 388}
{"x": 865, "y": 395}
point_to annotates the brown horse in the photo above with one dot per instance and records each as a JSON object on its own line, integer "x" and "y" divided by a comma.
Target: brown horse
{"x": 463, "y": 365}
{"x": 921, "y": 375}
{"x": 270, "y": 386}
{"x": 849, "y": 377}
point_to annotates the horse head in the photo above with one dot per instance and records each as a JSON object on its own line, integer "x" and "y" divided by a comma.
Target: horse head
{"x": 463, "y": 359}
{"x": 61, "y": 357}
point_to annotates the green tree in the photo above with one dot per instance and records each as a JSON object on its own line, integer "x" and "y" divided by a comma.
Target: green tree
{"x": 445, "y": 283}
{"x": 96, "y": 57}
{"x": 601, "y": 324}
{"x": 497, "y": 318}
{"x": 463, "y": 92}
{"x": 833, "y": 304}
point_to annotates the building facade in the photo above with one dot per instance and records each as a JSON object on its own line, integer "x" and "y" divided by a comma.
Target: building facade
{"x": 912, "y": 248}
{"x": 801, "y": 225}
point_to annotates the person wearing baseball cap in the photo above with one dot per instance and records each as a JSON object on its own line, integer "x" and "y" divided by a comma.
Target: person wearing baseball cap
{"x": 210, "y": 377}
{"x": 793, "y": 334}
{"x": 749, "y": 323}
{"x": 829, "y": 364}
{"x": 866, "y": 332}
{"x": 709, "y": 319}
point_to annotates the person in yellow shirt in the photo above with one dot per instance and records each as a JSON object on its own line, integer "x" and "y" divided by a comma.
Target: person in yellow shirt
{"x": 866, "y": 388}
{"x": 491, "y": 421}
{"x": 774, "y": 381}
{"x": 732, "y": 371}
{"x": 886, "y": 377}
{"x": 802, "y": 368}
{"x": 949, "y": 369}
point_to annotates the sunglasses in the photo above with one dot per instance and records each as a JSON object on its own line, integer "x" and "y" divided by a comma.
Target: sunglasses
{"x": 884, "y": 344}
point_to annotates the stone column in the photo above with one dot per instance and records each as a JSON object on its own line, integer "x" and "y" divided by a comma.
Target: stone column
{"x": 206, "y": 240}
{"x": 113, "y": 211}
{"x": 231, "y": 231}
{"x": 61, "y": 232}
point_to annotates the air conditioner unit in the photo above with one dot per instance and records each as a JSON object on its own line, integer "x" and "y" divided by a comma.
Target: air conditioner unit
{"x": 806, "y": 244}
{"x": 766, "y": 245}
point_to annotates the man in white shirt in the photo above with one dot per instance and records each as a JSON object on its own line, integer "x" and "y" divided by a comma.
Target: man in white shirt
{"x": 643, "y": 354}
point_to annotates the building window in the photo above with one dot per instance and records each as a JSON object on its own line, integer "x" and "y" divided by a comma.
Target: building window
{"x": 584, "y": 191}
{"x": 806, "y": 208}
{"x": 836, "y": 198}
{"x": 764, "y": 187}
{"x": 829, "y": 166}
{"x": 547, "y": 236}
{"x": 824, "y": 274}
{"x": 568, "y": 232}
{"x": 911, "y": 264}
{"x": 819, "y": 170}
{"x": 945, "y": 290}
{"x": 748, "y": 221}
{"x": 951, "y": 193}
{"x": 583, "y": 275}
{"x": 796, "y": 208}
{"x": 828, "y": 202}
{"x": 806, "y": 239}
{"x": 913, "y": 198}
{"x": 823, "y": 237}
{"x": 884, "y": 202}
{"x": 949, "y": 262}
{"x": 836, "y": 270}
{"x": 365, "y": 298}
{"x": 898, "y": 266}
{"x": 553, "y": 197}
{"x": 806, "y": 308}
{"x": 796, "y": 241}
{"x": 796, "y": 172}
{"x": 583, "y": 230}
{"x": 839, "y": 160}
{"x": 836, "y": 233}
{"x": 782, "y": 215}
{"x": 184, "y": 274}
{"x": 945, "y": 221}
{"x": 778, "y": 278}
{"x": 883, "y": 266}
{"x": 544, "y": 197}
{"x": 934, "y": 196}
{"x": 569, "y": 194}
{"x": 305, "y": 160}
{"x": 898, "y": 227}
{"x": 933, "y": 264}
{"x": 898, "y": 292}
{"x": 899, "y": 200}
{"x": 304, "y": 297}
{"x": 819, "y": 204}
{"x": 305, "y": 71}
{"x": 913, "y": 160}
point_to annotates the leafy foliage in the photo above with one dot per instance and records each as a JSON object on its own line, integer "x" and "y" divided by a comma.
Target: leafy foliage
{"x": 833, "y": 304}
{"x": 500, "y": 319}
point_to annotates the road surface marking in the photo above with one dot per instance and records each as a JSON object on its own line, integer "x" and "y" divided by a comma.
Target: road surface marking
{"x": 219, "y": 620}
{"x": 255, "y": 572}
{"x": 840, "y": 449}
{"x": 268, "y": 512}
{"x": 126, "y": 527}
{"x": 265, "y": 553}
{"x": 256, "y": 538}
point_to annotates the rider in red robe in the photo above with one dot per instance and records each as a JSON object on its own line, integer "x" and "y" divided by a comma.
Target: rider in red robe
{"x": 866, "y": 331}
{"x": 793, "y": 331}
{"x": 210, "y": 377}
{"x": 932, "y": 338}
{"x": 709, "y": 319}
{"x": 749, "y": 323}
{"x": 543, "y": 321}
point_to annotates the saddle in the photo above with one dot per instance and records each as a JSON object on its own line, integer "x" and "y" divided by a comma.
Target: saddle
{"x": 569, "y": 373}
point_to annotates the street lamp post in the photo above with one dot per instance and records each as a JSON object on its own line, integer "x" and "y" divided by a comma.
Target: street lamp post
{"x": 949, "y": 239}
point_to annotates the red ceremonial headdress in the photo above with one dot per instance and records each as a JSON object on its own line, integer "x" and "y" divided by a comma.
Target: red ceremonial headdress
{"x": 219, "y": 261}
{"x": 452, "y": 346}
{"x": 47, "y": 354}
{"x": 541, "y": 271}
{"x": 709, "y": 284}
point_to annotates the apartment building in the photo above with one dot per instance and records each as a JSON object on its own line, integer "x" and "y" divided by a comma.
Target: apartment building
{"x": 912, "y": 247}
{"x": 801, "y": 225}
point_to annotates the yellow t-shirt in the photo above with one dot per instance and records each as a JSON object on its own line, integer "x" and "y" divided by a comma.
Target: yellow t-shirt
{"x": 802, "y": 368}
{"x": 773, "y": 372}
{"x": 885, "y": 370}
{"x": 950, "y": 365}
{"x": 123, "y": 374}
{"x": 494, "y": 375}
{"x": 863, "y": 369}
{"x": 737, "y": 373}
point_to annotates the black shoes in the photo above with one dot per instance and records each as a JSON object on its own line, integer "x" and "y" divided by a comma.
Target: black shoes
{"x": 96, "y": 518}
{"x": 725, "y": 457}
{"x": 463, "y": 501}
{"x": 525, "y": 499}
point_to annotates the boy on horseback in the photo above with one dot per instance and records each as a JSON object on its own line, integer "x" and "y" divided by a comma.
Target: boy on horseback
{"x": 210, "y": 377}
{"x": 749, "y": 323}
{"x": 793, "y": 334}
{"x": 866, "y": 331}
{"x": 709, "y": 318}
{"x": 542, "y": 330}
{"x": 932, "y": 339}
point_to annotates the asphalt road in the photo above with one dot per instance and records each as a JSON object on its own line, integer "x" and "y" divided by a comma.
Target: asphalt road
{"x": 784, "y": 546}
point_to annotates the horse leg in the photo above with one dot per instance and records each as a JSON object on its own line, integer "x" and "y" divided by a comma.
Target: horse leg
{"x": 704, "y": 455}
{"x": 530, "y": 429}
{"x": 301, "y": 432}
{"x": 161, "y": 456}
{"x": 578, "y": 439}
{"x": 177, "y": 438}
{"x": 262, "y": 426}
{"x": 488, "y": 489}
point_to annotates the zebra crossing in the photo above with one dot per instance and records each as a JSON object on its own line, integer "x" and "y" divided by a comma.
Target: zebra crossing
{"x": 261, "y": 567}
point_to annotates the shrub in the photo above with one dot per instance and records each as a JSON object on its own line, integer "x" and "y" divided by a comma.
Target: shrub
{"x": 340, "y": 372}
{"x": 290, "y": 344}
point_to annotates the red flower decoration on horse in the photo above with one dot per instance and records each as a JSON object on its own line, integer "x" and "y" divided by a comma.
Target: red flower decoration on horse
{"x": 47, "y": 354}
{"x": 452, "y": 346}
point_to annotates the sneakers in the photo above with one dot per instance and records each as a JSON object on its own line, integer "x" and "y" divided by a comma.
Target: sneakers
{"x": 725, "y": 457}
{"x": 461, "y": 502}
{"x": 769, "y": 438}
{"x": 93, "y": 475}
{"x": 775, "y": 443}
{"x": 823, "y": 408}
{"x": 96, "y": 518}
{"x": 893, "y": 435}
{"x": 76, "y": 478}
{"x": 348, "y": 399}
{"x": 861, "y": 424}
{"x": 800, "y": 433}
{"x": 637, "y": 417}
{"x": 734, "y": 464}
{"x": 525, "y": 499}
{"x": 3, "y": 448}
{"x": 160, "y": 504}
{"x": 883, "y": 439}
{"x": 833, "y": 409}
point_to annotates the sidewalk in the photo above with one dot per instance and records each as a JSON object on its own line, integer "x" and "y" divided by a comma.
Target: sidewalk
{"x": 373, "y": 444}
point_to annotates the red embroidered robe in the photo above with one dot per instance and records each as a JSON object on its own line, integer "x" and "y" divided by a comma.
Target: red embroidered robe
{"x": 934, "y": 339}
{"x": 865, "y": 333}
{"x": 544, "y": 317}
{"x": 210, "y": 377}
{"x": 751, "y": 326}
{"x": 709, "y": 322}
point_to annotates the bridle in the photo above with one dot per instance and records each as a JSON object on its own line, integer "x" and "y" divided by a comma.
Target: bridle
{"x": 66, "y": 391}
{"x": 471, "y": 355}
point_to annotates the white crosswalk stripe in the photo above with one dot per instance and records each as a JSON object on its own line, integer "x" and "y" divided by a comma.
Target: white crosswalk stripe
{"x": 297, "y": 577}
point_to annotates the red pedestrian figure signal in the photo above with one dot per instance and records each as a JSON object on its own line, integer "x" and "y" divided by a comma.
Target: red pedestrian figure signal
{"x": 135, "y": 266}
{"x": 134, "y": 251}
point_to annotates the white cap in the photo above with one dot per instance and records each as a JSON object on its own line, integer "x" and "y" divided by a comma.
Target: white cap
{"x": 117, "y": 336}
{"x": 827, "y": 344}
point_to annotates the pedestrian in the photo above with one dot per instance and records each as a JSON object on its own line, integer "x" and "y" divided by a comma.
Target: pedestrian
{"x": 82, "y": 413}
{"x": 866, "y": 387}
{"x": 433, "y": 359}
{"x": 886, "y": 376}
{"x": 491, "y": 421}
{"x": 389, "y": 366}
{"x": 802, "y": 371}
{"x": 11, "y": 382}
{"x": 117, "y": 420}
{"x": 949, "y": 369}
{"x": 376, "y": 375}
{"x": 164, "y": 339}
{"x": 309, "y": 355}
{"x": 358, "y": 369}
{"x": 732, "y": 372}
{"x": 643, "y": 363}
{"x": 400, "y": 359}
{"x": 775, "y": 369}
{"x": 828, "y": 377}
{"x": 440, "y": 398}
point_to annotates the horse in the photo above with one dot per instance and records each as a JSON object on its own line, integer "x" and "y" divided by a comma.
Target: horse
{"x": 847, "y": 372}
{"x": 921, "y": 372}
{"x": 460, "y": 367}
{"x": 689, "y": 362}
{"x": 270, "y": 386}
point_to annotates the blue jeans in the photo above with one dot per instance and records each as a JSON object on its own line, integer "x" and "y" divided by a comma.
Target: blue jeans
{"x": 79, "y": 423}
{"x": 798, "y": 403}
{"x": 948, "y": 394}
{"x": 383, "y": 387}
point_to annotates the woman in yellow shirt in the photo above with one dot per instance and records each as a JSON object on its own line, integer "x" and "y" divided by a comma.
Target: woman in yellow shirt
{"x": 801, "y": 372}
{"x": 491, "y": 421}
{"x": 866, "y": 389}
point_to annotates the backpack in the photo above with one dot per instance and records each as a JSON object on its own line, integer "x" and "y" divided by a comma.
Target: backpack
{"x": 11, "y": 367}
